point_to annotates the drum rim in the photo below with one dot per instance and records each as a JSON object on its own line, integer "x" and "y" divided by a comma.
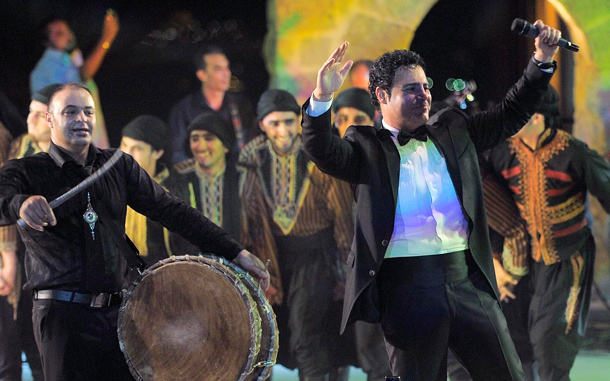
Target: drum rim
{"x": 271, "y": 358}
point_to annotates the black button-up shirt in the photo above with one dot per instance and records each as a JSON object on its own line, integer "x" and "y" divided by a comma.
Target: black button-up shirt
{"x": 61, "y": 255}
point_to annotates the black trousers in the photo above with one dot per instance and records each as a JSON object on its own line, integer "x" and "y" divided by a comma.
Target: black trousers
{"x": 307, "y": 322}
{"x": 432, "y": 303}
{"x": 17, "y": 336}
{"x": 516, "y": 314}
{"x": 77, "y": 342}
{"x": 559, "y": 310}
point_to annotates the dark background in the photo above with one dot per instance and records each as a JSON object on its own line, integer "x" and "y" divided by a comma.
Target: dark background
{"x": 151, "y": 63}
{"x": 472, "y": 40}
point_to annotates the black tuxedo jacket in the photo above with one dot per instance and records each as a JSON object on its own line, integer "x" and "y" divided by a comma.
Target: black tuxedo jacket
{"x": 368, "y": 159}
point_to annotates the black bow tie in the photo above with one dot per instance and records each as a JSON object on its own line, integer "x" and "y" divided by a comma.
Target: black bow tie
{"x": 420, "y": 134}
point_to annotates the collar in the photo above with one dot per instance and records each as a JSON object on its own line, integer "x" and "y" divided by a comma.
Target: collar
{"x": 545, "y": 137}
{"x": 60, "y": 157}
{"x": 393, "y": 130}
{"x": 55, "y": 52}
{"x": 202, "y": 175}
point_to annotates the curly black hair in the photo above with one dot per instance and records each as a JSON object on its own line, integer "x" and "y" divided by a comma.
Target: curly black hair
{"x": 384, "y": 70}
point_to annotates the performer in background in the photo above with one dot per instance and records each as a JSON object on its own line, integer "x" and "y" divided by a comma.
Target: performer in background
{"x": 63, "y": 62}
{"x": 16, "y": 333}
{"x": 208, "y": 181}
{"x": 549, "y": 173}
{"x": 421, "y": 261}
{"x": 215, "y": 75}
{"x": 145, "y": 138}
{"x": 296, "y": 218}
{"x": 73, "y": 263}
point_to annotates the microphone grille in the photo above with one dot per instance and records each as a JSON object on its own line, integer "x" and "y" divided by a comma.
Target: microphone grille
{"x": 519, "y": 26}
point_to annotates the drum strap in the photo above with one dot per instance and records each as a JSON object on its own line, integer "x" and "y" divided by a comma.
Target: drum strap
{"x": 125, "y": 245}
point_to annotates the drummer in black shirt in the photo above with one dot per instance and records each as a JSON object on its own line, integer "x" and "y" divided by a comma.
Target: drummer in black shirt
{"x": 74, "y": 267}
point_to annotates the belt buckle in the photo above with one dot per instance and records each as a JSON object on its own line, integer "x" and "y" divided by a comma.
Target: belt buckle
{"x": 100, "y": 300}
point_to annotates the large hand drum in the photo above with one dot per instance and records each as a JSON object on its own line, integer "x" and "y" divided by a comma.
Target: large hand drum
{"x": 197, "y": 318}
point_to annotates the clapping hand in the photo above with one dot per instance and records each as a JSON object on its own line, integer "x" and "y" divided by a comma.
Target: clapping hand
{"x": 332, "y": 74}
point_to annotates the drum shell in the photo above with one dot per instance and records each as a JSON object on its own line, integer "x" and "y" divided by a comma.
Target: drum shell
{"x": 191, "y": 317}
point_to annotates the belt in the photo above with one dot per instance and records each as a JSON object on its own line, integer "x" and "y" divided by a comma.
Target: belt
{"x": 92, "y": 300}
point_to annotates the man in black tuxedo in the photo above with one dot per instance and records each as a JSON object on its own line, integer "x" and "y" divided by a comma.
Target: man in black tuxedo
{"x": 421, "y": 261}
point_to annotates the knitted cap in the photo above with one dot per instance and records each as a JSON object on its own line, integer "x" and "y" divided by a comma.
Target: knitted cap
{"x": 149, "y": 129}
{"x": 213, "y": 123}
{"x": 276, "y": 100}
{"x": 356, "y": 98}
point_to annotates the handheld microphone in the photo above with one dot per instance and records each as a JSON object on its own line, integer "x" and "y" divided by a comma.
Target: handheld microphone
{"x": 524, "y": 28}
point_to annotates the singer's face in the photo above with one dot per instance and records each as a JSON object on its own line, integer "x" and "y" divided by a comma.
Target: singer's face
{"x": 407, "y": 106}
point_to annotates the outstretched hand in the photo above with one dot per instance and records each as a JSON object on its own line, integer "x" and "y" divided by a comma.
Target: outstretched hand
{"x": 332, "y": 74}
{"x": 249, "y": 262}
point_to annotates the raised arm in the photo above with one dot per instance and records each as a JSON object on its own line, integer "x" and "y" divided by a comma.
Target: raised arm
{"x": 329, "y": 152}
{"x": 94, "y": 59}
{"x": 522, "y": 100}
{"x": 331, "y": 75}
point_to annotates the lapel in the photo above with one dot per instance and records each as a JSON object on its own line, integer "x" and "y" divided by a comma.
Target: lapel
{"x": 392, "y": 159}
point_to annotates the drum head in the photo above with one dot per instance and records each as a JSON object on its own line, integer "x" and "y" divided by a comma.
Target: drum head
{"x": 189, "y": 318}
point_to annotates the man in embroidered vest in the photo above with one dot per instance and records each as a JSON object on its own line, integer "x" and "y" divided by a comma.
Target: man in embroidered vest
{"x": 421, "y": 260}
{"x": 16, "y": 333}
{"x": 215, "y": 75}
{"x": 299, "y": 223}
{"x": 549, "y": 173}
{"x": 208, "y": 181}
{"x": 145, "y": 139}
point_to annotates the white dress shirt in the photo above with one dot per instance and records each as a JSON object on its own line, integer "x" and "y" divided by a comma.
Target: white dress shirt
{"x": 428, "y": 218}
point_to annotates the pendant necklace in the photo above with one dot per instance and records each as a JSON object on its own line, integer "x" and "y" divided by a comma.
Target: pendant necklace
{"x": 90, "y": 216}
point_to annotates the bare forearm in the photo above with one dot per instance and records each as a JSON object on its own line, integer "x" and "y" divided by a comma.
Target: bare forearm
{"x": 94, "y": 61}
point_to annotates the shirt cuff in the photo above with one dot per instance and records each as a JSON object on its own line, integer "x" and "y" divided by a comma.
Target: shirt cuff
{"x": 547, "y": 67}
{"x": 317, "y": 108}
